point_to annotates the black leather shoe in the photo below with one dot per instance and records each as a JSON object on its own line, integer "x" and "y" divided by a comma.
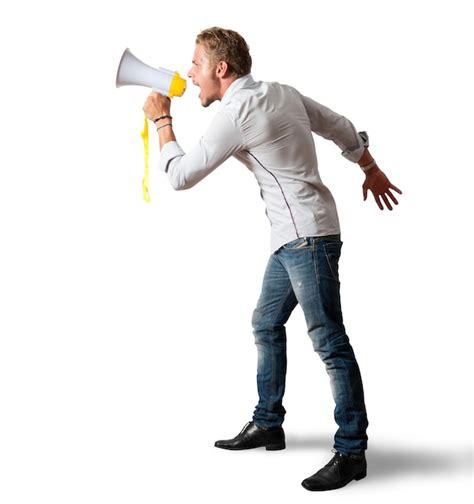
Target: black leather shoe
{"x": 340, "y": 470}
{"x": 252, "y": 436}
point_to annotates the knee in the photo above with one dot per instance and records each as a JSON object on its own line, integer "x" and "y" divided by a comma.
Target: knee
{"x": 329, "y": 344}
{"x": 265, "y": 331}
{"x": 260, "y": 329}
{"x": 259, "y": 322}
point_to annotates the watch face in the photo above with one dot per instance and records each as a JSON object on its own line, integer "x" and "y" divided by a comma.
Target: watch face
{"x": 365, "y": 138}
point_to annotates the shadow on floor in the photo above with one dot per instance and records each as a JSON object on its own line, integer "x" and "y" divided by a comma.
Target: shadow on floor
{"x": 387, "y": 461}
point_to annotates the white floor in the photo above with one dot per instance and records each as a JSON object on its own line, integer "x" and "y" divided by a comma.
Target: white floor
{"x": 395, "y": 471}
{"x": 126, "y": 346}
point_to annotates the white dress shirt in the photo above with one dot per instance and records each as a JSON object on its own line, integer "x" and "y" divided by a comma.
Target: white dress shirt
{"x": 267, "y": 126}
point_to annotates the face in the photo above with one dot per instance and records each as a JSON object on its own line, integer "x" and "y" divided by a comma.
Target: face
{"x": 204, "y": 75}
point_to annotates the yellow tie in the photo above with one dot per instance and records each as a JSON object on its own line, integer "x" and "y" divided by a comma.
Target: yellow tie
{"x": 144, "y": 134}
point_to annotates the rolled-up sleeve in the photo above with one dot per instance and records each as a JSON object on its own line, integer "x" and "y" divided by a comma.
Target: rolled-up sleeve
{"x": 332, "y": 126}
{"x": 222, "y": 139}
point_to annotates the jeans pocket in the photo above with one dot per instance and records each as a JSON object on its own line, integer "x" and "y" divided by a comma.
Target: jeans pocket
{"x": 332, "y": 251}
{"x": 299, "y": 243}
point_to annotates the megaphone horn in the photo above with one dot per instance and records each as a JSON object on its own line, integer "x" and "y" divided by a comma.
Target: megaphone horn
{"x": 133, "y": 72}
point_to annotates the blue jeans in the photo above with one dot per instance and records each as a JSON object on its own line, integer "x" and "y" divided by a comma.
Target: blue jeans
{"x": 305, "y": 271}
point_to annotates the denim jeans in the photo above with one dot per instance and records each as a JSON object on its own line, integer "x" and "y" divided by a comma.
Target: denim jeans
{"x": 305, "y": 271}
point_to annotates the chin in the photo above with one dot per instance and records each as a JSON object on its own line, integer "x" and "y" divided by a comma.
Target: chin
{"x": 205, "y": 102}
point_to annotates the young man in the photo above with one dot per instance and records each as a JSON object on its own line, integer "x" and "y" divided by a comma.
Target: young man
{"x": 268, "y": 127}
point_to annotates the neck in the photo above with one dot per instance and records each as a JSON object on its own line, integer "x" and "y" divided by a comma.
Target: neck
{"x": 225, "y": 84}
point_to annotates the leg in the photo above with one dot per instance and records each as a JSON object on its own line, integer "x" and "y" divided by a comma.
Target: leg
{"x": 277, "y": 301}
{"x": 313, "y": 272}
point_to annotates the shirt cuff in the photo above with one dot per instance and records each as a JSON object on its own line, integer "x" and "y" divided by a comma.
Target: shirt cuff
{"x": 354, "y": 152}
{"x": 169, "y": 151}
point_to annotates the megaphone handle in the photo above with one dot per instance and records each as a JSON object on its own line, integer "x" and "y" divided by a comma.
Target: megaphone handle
{"x": 159, "y": 91}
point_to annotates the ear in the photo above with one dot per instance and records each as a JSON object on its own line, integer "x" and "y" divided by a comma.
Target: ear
{"x": 222, "y": 69}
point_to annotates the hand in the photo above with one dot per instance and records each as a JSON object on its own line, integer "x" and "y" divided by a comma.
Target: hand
{"x": 156, "y": 105}
{"x": 377, "y": 182}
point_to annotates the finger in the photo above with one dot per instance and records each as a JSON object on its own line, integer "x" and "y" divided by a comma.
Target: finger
{"x": 392, "y": 197}
{"x": 396, "y": 189}
{"x": 387, "y": 203}
{"x": 377, "y": 200}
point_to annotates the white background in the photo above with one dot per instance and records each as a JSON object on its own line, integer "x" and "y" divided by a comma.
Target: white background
{"x": 126, "y": 344}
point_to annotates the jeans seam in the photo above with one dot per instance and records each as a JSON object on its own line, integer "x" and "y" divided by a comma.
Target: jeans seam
{"x": 334, "y": 276}
{"x": 272, "y": 387}
{"x": 315, "y": 265}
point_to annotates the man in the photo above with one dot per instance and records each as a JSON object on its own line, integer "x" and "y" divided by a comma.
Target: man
{"x": 268, "y": 127}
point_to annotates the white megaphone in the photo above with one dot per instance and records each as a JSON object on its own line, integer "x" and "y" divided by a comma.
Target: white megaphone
{"x": 133, "y": 72}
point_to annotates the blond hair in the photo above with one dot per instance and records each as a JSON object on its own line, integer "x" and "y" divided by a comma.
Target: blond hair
{"x": 228, "y": 46}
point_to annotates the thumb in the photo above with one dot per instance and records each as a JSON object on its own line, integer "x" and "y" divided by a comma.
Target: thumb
{"x": 364, "y": 191}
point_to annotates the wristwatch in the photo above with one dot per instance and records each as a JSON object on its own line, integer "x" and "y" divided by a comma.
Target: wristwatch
{"x": 365, "y": 138}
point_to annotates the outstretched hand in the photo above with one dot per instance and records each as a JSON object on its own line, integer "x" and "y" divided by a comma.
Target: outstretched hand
{"x": 377, "y": 182}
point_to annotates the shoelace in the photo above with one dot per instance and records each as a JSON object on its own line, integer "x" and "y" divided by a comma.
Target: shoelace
{"x": 338, "y": 456}
{"x": 335, "y": 460}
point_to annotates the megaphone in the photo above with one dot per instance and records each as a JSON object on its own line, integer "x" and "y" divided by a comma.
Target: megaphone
{"x": 133, "y": 72}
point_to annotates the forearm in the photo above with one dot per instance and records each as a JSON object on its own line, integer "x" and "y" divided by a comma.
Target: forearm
{"x": 222, "y": 140}
{"x": 165, "y": 132}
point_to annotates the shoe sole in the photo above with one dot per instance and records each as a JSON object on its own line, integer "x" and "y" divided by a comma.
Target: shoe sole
{"x": 275, "y": 447}
{"x": 360, "y": 476}
{"x": 270, "y": 447}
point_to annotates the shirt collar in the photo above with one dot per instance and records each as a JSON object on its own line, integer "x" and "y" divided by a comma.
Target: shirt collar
{"x": 240, "y": 83}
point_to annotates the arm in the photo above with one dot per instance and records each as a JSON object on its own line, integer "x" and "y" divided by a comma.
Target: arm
{"x": 335, "y": 127}
{"x": 354, "y": 146}
{"x": 222, "y": 139}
